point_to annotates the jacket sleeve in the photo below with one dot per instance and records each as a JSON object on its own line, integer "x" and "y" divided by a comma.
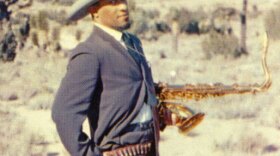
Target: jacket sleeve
{"x": 73, "y": 100}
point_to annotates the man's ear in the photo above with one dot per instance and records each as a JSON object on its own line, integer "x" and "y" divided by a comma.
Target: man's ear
{"x": 93, "y": 9}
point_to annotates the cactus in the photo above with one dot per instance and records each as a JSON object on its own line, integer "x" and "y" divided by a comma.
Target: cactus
{"x": 42, "y": 21}
{"x": 34, "y": 38}
{"x": 56, "y": 34}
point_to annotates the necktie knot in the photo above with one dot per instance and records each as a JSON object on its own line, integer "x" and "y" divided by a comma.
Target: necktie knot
{"x": 127, "y": 41}
{"x": 130, "y": 48}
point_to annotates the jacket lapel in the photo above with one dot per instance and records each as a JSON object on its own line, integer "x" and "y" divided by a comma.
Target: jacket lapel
{"x": 108, "y": 39}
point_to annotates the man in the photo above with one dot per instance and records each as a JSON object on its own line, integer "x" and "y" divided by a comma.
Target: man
{"x": 109, "y": 81}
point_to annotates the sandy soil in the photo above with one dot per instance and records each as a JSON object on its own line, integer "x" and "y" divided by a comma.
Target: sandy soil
{"x": 235, "y": 125}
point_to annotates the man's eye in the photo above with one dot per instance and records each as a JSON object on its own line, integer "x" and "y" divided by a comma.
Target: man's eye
{"x": 113, "y": 1}
{"x": 116, "y": 1}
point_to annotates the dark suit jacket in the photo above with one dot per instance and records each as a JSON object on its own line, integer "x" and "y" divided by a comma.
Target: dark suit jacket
{"x": 105, "y": 84}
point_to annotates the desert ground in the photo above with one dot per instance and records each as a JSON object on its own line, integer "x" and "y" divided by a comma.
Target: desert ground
{"x": 234, "y": 125}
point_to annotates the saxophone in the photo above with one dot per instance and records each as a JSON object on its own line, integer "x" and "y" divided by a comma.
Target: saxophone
{"x": 170, "y": 96}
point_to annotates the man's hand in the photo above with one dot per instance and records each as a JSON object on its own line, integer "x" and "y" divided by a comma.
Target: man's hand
{"x": 170, "y": 118}
{"x": 179, "y": 116}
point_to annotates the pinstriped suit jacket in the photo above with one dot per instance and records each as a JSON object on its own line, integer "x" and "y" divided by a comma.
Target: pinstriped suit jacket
{"x": 105, "y": 84}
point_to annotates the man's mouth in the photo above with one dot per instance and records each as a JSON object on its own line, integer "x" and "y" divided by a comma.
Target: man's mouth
{"x": 124, "y": 15}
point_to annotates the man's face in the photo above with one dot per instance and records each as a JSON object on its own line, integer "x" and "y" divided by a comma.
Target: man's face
{"x": 112, "y": 13}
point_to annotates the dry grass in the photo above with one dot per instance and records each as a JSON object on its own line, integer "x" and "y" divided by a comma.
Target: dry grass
{"x": 237, "y": 125}
{"x": 219, "y": 44}
{"x": 247, "y": 143}
{"x": 15, "y": 140}
{"x": 16, "y": 136}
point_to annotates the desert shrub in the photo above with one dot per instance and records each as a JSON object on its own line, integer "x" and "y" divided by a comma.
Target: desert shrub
{"x": 174, "y": 14}
{"x": 148, "y": 25}
{"x": 196, "y": 17}
{"x": 144, "y": 23}
{"x": 40, "y": 25}
{"x": 188, "y": 20}
{"x": 57, "y": 15}
{"x": 65, "y": 2}
{"x": 182, "y": 16}
{"x": 219, "y": 44}
{"x": 192, "y": 27}
{"x": 205, "y": 26}
{"x": 42, "y": 21}
{"x": 21, "y": 28}
{"x": 44, "y": 1}
{"x": 131, "y": 5}
{"x": 152, "y": 14}
{"x": 56, "y": 46}
{"x": 33, "y": 22}
{"x": 225, "y": 12}
{"x": 24, "y": 28}
{"x": 139, "y": 22}
{"x": 272, "y": 23}
{"x": 8, "y": 47}
{"x": 35, "y": 39}
{"x": 162, "y": 27}
{"x": 55, "y": 39}
{"x": 56, "y": 33}
{"x": 199, "y": 15}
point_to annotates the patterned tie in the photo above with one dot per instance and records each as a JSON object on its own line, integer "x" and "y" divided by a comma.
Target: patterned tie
{"x": 130, "y": 48}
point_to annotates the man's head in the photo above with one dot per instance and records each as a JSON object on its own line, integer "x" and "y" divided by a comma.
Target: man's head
{"x": 111, "y": 13}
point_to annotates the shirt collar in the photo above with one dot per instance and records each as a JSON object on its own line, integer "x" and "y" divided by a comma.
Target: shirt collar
{"x": 115, "y": 33}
